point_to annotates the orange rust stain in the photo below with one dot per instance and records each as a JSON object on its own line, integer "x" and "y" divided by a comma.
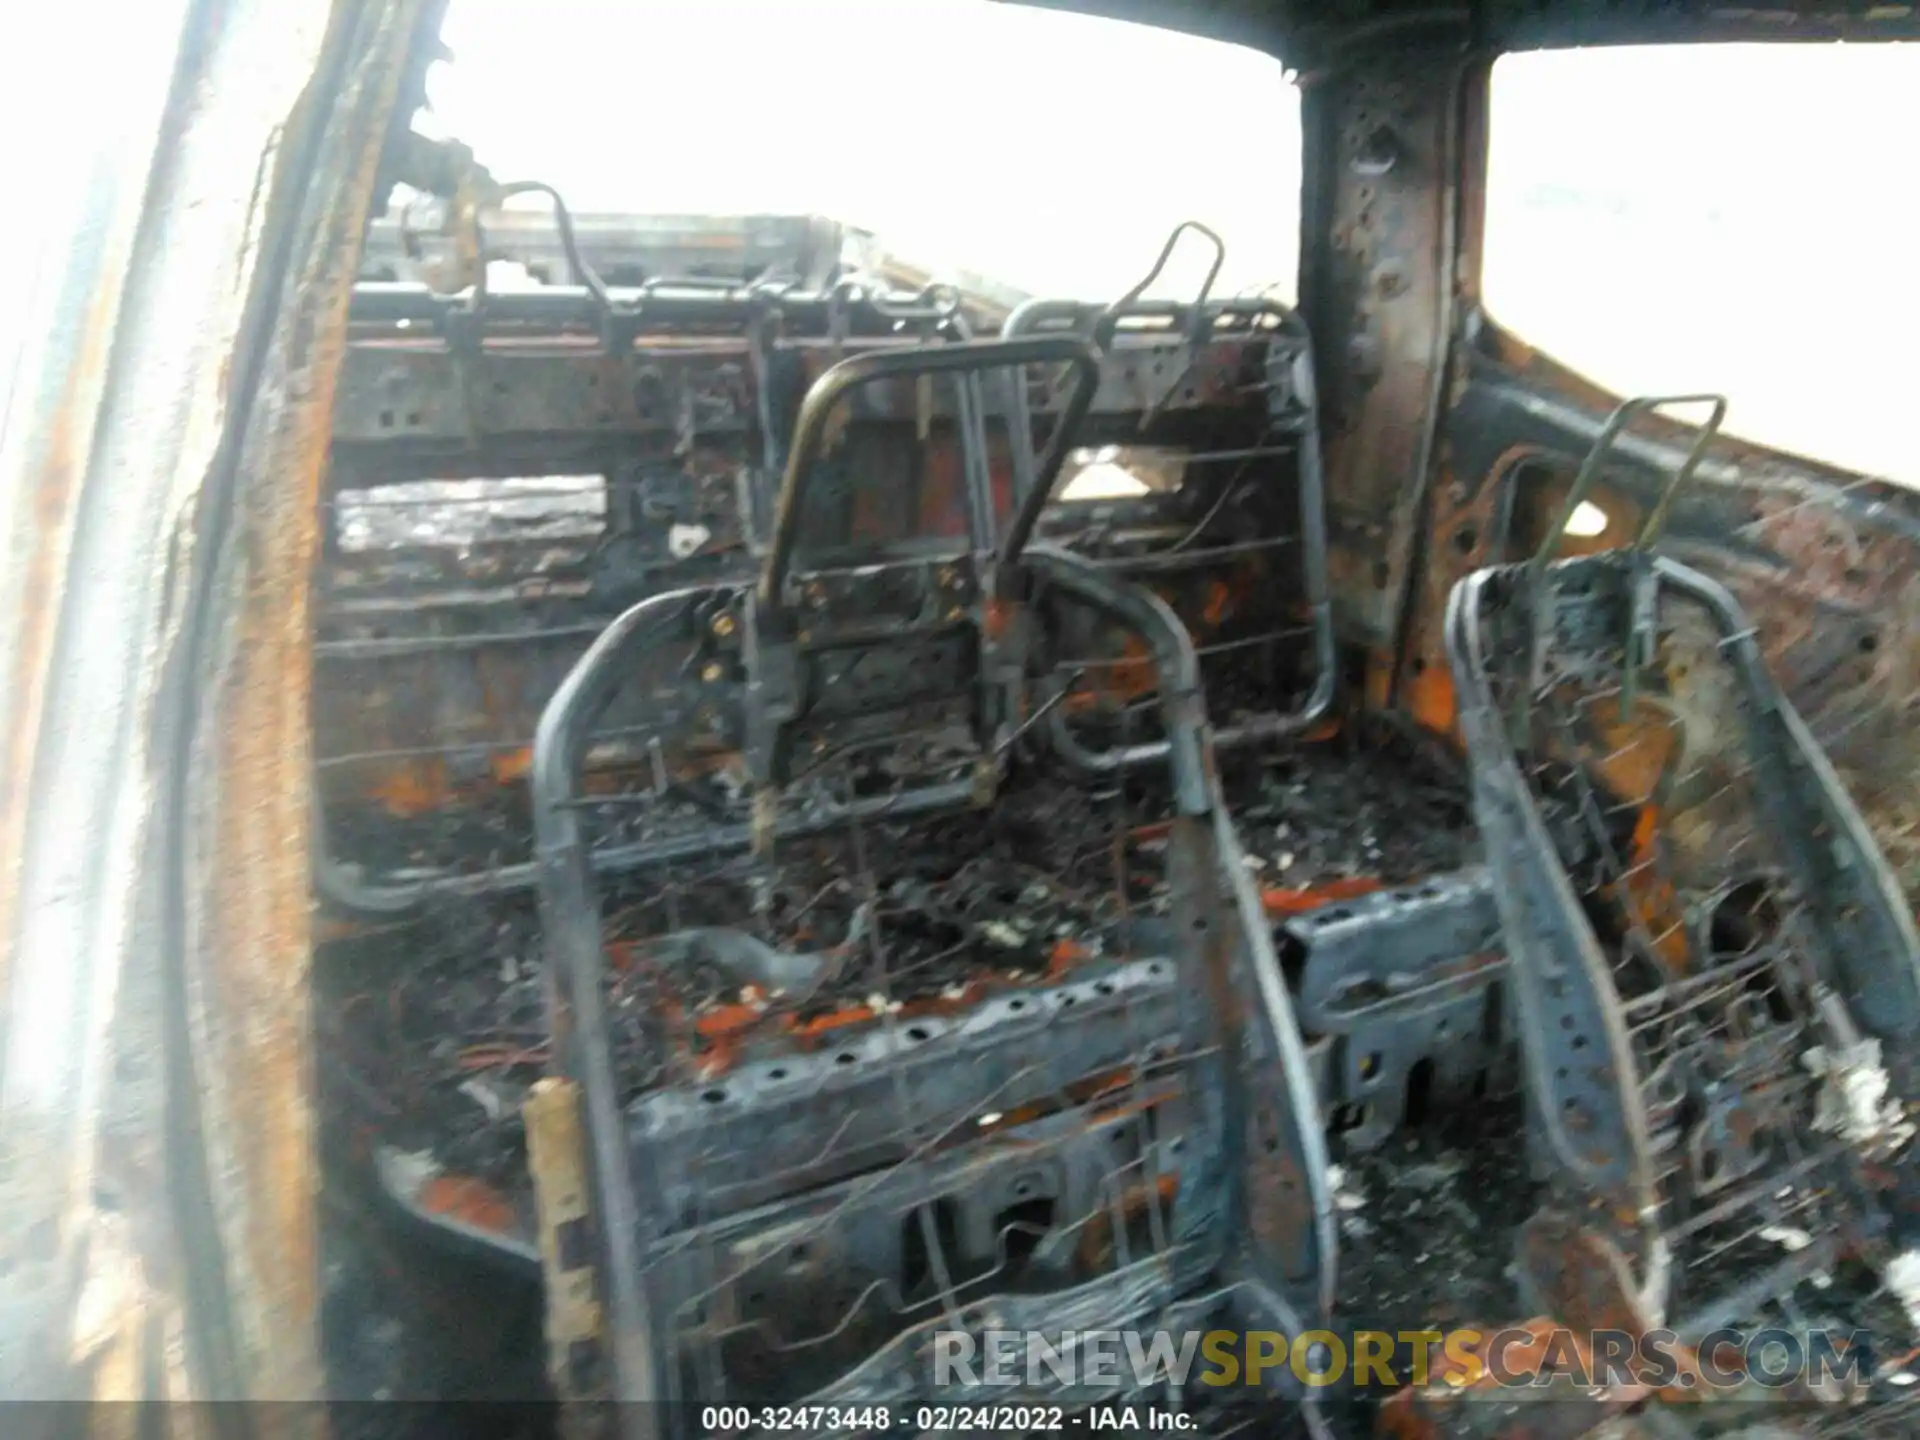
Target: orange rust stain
{"x": 1219, "y": 603}
{"x": 1134, "y": 674}
{"x": 1649, "y": 896}
{"x": 723, "y": 1028}
{"x": 1430, "y": 698}
{"x": 250, "y": 943}
{"x": 1066, "y": 954}
{"x": 1377, "y": 687}
{"x": 1096, "y": 1241}
{"x": 943, "y": 511}
{"x": 1095, "y": 1087}
{"x": 1533, "y": 1348}
{"x": 818, "y": 1027}
{"x": 1080, "y": 1093}
{"x": 1081, "y": 702}
{"x": 1636, "y": 752}
{"x": 971, "y": 995}
{"x": 332, "y": 927}
{"x": 1279, "y": 901}
{"x": 500, "y": 1056}
{"x": 1023, "y": 1115}
{"x": 1000, "y": 469}
{"x": 1321, "y": 731}
{"x": 1399, "y": 1418}
{"x": 508, "y": 766}
{"x": 1523, "y": 1358}
{"x": 1130, "y": 677}
{"x": 471, "y": 1202}
{"x": 866, "y": 521}
{"x": 414, "y": 789}
{"x": 620, "y": 779}
{"x": 727, "y": 1021}
{"x": 721, "y": 1032}
{"x": 997, "y": 617}
{"x": 419, "y": 786}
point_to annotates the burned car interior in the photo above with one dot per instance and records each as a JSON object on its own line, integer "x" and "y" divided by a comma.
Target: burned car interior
{"x": 847, "y": 806}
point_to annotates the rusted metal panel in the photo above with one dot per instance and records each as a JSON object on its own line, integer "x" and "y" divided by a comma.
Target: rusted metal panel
{"x": 1382, "y": 152}
{"x": 119, "y": 1024}
{"x": 249, "y": 938}
{"x": 413, "y": 390}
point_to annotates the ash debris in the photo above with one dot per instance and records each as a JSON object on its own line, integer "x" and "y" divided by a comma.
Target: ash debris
{"x": 1392, "y": 811}
{"x": 1427, "y": 1221}
{"x": 1854, "y": 1100}
{"x": 436, "y": 1024}
{"x": 472, "y": 835}
{"x": 431, "y": 1028}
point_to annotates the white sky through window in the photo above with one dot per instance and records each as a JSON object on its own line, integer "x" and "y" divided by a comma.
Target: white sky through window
{"x": 1047, "y": 150}
{"x": 1733, "y": 218}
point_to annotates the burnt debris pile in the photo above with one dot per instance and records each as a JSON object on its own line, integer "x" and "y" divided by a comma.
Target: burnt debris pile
{"x": 444, "y": 1023}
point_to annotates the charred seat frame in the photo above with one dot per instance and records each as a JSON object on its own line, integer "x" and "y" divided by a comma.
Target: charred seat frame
{"x": 464, "y": 392}
{"x": 1258, "y": 1144}
{"x": 1292, "y": 428}
{"x": 1609, "y": 1028}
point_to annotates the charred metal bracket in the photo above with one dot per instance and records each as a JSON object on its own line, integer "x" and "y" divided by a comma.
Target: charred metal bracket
{"x": 557, "y": 1161}
{"x": 1398, "y": 980}
{"x": 709, "y": 622}
{"x": 724, "y": 1146}
{"x": 960, "y": 357}
{"x": 1640, "y": 617}
{"x": 1256, "y": 1204}
{"x": 1848, "y": 961}
{"x": 934, "y": 313}
{"x": 864, "y": 310}
{"x": 465, "y": 324}
{"x": 756, "y": 310}
{"x": 853, "y": 1243}
{"x": 1199, "y": 323}
{"x": 1293, "y": 411}
{"x": 772, "y": 634}
{"x": 904, "y": 1372}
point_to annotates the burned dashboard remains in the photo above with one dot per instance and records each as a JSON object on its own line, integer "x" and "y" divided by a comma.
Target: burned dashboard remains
{"x": 843, "y": 823}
